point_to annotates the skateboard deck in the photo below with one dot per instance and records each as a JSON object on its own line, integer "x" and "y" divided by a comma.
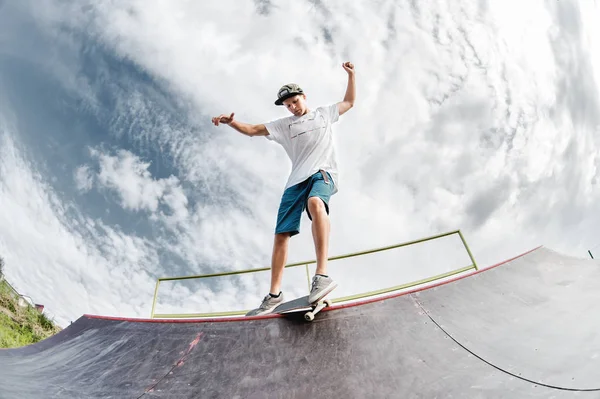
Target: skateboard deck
{"x": 301, "y": 304}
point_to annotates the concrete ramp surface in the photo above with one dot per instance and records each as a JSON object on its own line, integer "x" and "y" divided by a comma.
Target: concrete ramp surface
{"x": 528, "y": 328}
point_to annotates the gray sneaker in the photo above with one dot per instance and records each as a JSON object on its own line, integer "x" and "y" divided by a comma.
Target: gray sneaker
{"x": 268, "y": 304}
{"x": 321, "y": 286}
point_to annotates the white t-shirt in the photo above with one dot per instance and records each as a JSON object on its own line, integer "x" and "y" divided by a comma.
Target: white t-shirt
{"x": 308, "y": 141}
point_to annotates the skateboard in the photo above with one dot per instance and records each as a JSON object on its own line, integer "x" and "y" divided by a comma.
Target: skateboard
{"x": 302, "y": 305}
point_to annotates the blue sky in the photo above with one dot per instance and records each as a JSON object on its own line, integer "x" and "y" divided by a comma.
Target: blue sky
{"x": 479, "y": 116}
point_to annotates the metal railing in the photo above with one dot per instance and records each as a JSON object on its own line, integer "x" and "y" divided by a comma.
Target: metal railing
{"x": 473, "y": 266}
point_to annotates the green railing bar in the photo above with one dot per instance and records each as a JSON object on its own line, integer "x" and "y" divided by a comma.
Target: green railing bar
{"x": 262, "y": 269}
{"x": 403, "y": 286}
{"x": 468, "y": 250}
{"x": 404, "y": 244}
{"x": 336, "y": 300}
{"x": 190, "y": 315}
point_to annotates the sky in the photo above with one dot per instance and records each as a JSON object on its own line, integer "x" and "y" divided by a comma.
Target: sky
{"x": 479, "y": 116}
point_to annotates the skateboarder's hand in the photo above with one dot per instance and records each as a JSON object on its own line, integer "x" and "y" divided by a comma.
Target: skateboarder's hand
{"x": 226, "y": 119}
{"x": 348, "y": 67}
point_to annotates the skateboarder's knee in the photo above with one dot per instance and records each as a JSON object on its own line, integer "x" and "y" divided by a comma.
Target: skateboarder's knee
{"x": 316, "y": 205}
{"x": 282, "y": 238}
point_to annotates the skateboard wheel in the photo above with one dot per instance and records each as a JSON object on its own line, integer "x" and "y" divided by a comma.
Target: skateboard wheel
{"x": 309, "y": 316}
{"x": 328, "y": 302}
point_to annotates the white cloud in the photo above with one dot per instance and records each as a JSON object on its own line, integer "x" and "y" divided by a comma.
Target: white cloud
{"x": 84, "y": 179}
{"x": 128, "y": 176}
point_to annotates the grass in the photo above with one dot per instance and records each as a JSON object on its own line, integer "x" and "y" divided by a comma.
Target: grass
{"x": 20, "y": 326}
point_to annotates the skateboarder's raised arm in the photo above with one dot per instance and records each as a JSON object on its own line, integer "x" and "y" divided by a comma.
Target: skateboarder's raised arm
{"x": 244, "y": 128}
{"x": 348, "y": 101}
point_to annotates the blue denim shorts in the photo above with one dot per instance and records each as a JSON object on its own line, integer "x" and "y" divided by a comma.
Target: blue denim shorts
{"x": 295, "y": 199}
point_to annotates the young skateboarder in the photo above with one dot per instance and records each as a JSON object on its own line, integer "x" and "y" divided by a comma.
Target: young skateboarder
{"x": 307, "y": 138}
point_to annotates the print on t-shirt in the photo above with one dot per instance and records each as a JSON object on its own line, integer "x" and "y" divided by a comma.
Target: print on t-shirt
{"x": 298, "y": 128}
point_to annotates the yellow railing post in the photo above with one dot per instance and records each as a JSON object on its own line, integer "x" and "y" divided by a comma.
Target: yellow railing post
{"x": 468, "y": 250}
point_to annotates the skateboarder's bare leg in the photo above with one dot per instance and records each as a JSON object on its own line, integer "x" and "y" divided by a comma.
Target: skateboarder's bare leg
{"x": 320, "y": 231}
{"x": 280, "y": 251}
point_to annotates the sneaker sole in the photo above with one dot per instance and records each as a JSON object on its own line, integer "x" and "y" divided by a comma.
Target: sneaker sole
{"x": 268, "y": 311}
{"x": 325, "y": 292}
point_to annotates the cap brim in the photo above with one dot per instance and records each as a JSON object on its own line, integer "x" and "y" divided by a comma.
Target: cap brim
{"x": 280, "y": 101}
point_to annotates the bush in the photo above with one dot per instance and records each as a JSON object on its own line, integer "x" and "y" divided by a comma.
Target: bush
{"x": 27, "y": 329}
{"x": 7, "y": 303}
{"x": 20, "y": 326}
{"x": 45, "y": 322}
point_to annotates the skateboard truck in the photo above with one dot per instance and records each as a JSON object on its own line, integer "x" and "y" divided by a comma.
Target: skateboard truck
{"x": 301, "y": 304}
{"x": 310, "y": 316}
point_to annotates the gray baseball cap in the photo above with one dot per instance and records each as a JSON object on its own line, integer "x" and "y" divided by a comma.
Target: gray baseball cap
{"x": 287, "y": 91}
